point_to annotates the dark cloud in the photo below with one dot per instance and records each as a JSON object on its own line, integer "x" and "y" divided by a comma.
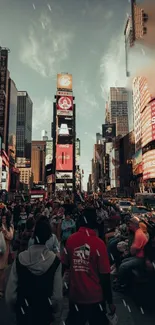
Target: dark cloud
{"x": 46, "y": 37}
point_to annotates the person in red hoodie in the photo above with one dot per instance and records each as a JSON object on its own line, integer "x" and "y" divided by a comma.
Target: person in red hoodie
{"x": 86, "y": 257}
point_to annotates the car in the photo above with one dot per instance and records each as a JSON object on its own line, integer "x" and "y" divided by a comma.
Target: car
{"x": 140, "y": 211}
{"x": 124, "y": 206}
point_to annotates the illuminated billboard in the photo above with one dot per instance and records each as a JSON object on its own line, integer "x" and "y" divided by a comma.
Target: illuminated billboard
{"x": 148, "y": 124}
{"x": 64, "y": 81}
{"x": 108, "y": 131}
{"x": 3, "y": 89}
{"x": 65, "y": 105}
{"x": 64, "y": 93}
{"x": 23, "y": 162}
{"x": 98, "y": 153}
{"x": 108, "y": 146}
{"x": 65, "y": 126}
{"x": 64, "y": 157}
{"x": 137, "y": 166}
{"x": 49, "y": 152}
{"x": 149, "y": 165}
{"x": 112, "y": 169}
{"x": 62, "y": 175}
{"x": 50, "y": 179}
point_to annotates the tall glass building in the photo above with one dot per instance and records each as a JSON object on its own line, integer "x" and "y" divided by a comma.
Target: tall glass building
{"x": 24, "y": 128}
{"x": 12, "y": 120}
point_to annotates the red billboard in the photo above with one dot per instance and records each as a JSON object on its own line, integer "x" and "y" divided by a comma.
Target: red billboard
{"x": 149, "y": 165}
{"x": 64, "y": 157}
{"x": 65, "y": 105}
{"x": 148, "y": 123}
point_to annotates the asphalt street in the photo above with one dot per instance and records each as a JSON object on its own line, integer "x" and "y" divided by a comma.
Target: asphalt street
{"x": 128, "y": 312}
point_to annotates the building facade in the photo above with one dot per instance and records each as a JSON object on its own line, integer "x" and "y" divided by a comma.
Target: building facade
{"x": 25, "y": 176}
{"x": 118, "y": 108}
{"x": 24, "y": 126}
{"x": 38, "y": 161}
{"x": 126, "y": 153}
{"x": 137, "y": 111}
{"x": 107, "y": 114}
{"x": 4, "y": 96}
{"x": 12, "y": 120}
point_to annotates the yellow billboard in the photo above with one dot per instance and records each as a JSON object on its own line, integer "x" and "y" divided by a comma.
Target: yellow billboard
{"x": 64, "y": 81}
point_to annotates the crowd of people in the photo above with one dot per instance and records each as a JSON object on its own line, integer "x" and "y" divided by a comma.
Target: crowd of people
{"x": 59, "y": 248}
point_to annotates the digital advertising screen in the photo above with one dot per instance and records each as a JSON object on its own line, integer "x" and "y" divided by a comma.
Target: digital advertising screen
{"x": 65, "y": 105}
{"x": 62, "y": 175}
{"x": 65, "y": 126}
{"x": 148, "y": 124}
{"x": 64, "y": 81}
{"x": 64, "y": 157}
{"x": 49, "y": 152}
{"x": 137, "y": 166}
{"x": 149, "y": 165}
{"x": 108, "y": 131}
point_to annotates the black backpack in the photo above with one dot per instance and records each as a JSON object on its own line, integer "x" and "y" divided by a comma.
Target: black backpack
{"x": 34, "y": 295}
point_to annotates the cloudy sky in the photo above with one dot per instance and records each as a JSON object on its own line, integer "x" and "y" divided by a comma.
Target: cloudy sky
{"x": 84, "y": 38}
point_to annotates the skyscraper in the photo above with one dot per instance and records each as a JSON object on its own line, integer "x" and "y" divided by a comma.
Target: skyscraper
{"x": 24, "y": 127}
{"x": 4, "y": 78}
{"x": 141, "y": 97}
{"x": 135, "y": 30}
{"x": 24, "y": 136}
{"x": 118, "y": 108}
{"x": 12, "y": 120}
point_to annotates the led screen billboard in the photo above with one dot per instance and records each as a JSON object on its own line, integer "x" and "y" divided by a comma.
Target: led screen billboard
{"x": 149, "y": 165}
{"x": 112, "y": 169}
{"x": 137, "y": 166}
{"x": 148, "y": 124}
{"x": 109, "y": 146}
{"x": 65, "y": 105}
{"x": 64, "y": 157}
{"x": 23, "y": 162}
{"x": 50, "y": 179}
{"x": 62, "y": 175}
{"x": 64, "y": 81}
{"x": 49, "y": 152}
{"x": 65, "y": 126}
{"x": 98, "y": 153}
{"x": 64, "y": 93}
{"x": 108, "y": 131}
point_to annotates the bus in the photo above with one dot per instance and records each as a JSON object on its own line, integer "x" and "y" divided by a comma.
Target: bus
{"x": 38, "y": 194}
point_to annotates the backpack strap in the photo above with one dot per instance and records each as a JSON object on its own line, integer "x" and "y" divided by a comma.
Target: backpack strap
{"x": 55, "y": 264}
